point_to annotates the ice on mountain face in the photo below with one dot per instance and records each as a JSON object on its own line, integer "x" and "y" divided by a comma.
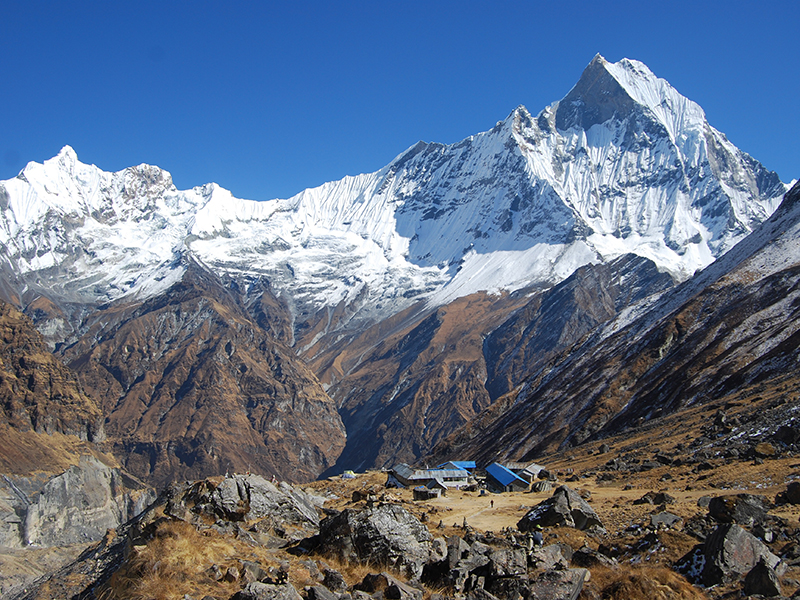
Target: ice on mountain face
{"x": 622, "y": 164}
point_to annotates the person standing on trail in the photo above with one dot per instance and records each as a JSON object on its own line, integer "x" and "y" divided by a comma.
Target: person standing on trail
{"x": 491, "y": 503}
{"x": 537, "y": 536}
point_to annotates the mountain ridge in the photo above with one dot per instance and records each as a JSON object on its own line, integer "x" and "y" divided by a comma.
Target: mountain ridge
{"x": 730, "y": 328}
{"x": 438, "y": 222}
{"x": 386, "y": 285}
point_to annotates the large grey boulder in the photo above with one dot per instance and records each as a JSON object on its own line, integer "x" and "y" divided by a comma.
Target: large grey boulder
{"x": 558, "y": 584}
{"x": 251, "y": 498}
{"x": 266, "y": 591}
{"x": 564, "y": 508}
{"x": 273, "y": 515}
{"x": 730, "y": 552}
{"x": 386, "y": 534}
{"x": 743, "y": 509}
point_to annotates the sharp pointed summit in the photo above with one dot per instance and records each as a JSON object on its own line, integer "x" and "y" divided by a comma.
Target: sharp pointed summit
{"x": 622, "y": 164}
{"x": 596, "y": 98}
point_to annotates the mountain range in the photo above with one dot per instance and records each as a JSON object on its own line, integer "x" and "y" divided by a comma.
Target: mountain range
{"x": 448, "y": 298}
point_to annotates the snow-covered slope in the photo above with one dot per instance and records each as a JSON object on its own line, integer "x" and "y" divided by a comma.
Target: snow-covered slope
{"x": 622, "y": 164}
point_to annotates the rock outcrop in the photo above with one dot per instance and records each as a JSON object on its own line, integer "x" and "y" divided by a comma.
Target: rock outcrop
{"x": 77, "y": 506}
{"x": 273, "y": 513}
{"x": 386, "y": 534}
{"x": 37, "y": 392}
{"x": 564, "y": 508}
{"x": 727, "y": 554}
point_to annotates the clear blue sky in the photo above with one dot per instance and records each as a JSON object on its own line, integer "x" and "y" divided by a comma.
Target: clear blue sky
{"x": 267, "y": 99}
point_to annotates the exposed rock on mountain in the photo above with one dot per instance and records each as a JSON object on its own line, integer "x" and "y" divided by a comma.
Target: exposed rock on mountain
{"x": 76, "y": 506}
{"x": 185, "y": 311}
{"x": 552, "y": 321}
{"x": 193, "y": 386}
{"x": 731, "y": 327}
{"x": 37, "y": 392}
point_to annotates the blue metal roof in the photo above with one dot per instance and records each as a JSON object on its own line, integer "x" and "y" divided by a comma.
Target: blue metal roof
{"x": 459, "y": 464}
{"x": 503, "y": 476}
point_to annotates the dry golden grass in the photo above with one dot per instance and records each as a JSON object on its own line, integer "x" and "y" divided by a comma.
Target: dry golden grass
{"x": 175, "y": 562}
{"x": 352, "y": 572}
{"x": 640, "y": 583}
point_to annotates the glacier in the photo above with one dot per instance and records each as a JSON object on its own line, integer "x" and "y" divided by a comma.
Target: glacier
{"x": 622, "y": 164}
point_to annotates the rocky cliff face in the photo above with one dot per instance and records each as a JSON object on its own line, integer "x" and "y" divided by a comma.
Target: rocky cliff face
{"x": 733, "y": 327}
{"x": 553, "y": 321}
{"x": 37, "y": 392}
{"x": 73, "y": 507}
{"x": 54, "y": 491}
{"x": 192, "y": 386}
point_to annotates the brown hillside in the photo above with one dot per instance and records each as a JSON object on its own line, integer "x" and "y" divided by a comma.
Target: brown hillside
{"x": 193, "y": 386}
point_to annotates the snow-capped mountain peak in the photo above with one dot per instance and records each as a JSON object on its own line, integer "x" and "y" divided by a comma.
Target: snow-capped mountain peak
{"x": 606, "y": 89}
{"x": 623, "y": 163}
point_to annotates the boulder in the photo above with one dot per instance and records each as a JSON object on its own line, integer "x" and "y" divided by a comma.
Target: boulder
{"x": 438, "y": 549}
{"x": 762, "y": 580}
{"x": 251, "y": 497}
{"x": 548, "y": 557}
{"x": 391, "y": 588}
{"x": 787, "y": 434}
{"x": 564, "y": 508}
{"x": 508, "y": 562}
{"x": 251, "y": 571}
{"x": 480, "y": 594}
{"x": 663, "y": 498}
{"x": 558, "y": 584}
{"x": 320, "y": 592}
{"x": 333, "y": 580}
{"x": 266, "y": 591}
{"x": 588, "y": 558}
{"x": 666, "y": 520}
{"x": 743, "y": 509}
{"x": 646, "y": 499}
{"x": 793, "y": 492}
{"x": 386, "y": 534}
{"x": 541, "y": 486}
{"x": 730, "y": 552}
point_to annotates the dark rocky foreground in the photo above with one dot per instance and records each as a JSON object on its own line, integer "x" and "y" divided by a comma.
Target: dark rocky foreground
{"x": 246, "y": 537}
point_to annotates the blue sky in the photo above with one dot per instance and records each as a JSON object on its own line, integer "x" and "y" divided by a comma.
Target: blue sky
{"x": 268, "y": 99}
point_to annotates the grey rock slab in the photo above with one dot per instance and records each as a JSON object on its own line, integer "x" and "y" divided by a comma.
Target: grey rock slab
{"x": 558, "y": 584}
{"x": 266, "y": 591}
{"x": 564, "y": 508}
{"x": 730, "y": 552}
{"x": 665, "y": 519}
{"x": 386, "y": 534}
{"x": 77, "y": 506}
{"x": 547, "y": 557}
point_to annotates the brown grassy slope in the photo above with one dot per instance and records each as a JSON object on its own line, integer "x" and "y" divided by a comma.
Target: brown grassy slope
{"x": 193, "y": 387}
{"x": 37, "y": 392}
{"x": 403, "y": 386}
